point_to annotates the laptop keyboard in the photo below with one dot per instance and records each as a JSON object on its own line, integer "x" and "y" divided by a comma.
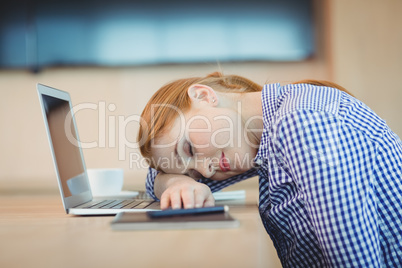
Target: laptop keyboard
{"x": 119, "y": 204}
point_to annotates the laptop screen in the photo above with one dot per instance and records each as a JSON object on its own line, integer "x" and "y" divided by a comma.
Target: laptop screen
{"x": 65, "y": 146}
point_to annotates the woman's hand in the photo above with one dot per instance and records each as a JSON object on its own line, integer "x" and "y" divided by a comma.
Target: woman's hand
{"x": 182, "y": 191}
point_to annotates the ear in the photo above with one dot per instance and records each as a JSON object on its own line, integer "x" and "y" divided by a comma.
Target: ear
{"x": 201, "y": 93}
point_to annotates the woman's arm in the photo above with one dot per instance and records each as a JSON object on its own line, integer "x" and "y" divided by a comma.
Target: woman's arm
{"x": 332, "y": 160}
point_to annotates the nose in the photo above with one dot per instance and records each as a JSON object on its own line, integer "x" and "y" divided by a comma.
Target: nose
{"x": 205, "y": 167}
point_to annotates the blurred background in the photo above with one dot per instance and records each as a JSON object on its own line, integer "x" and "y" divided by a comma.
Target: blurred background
{"x": 114, "y": 55}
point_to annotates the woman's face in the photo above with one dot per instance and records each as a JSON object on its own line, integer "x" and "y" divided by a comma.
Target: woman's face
{"x": 206, "y": 142}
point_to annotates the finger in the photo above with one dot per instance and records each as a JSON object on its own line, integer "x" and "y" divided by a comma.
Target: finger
{"x": 203, "y": 197}
{"x": 188, "y": 198}
{"x": 210, "y": 201}
{"x": 165, "y": 200}
{"x": 199, "y": 199}
{"x": 175, "y": 200}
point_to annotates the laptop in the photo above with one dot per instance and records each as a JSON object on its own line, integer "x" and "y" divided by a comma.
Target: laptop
{"x": 68, "y": 160}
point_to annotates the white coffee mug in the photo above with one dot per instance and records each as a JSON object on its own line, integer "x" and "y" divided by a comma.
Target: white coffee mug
{"x": 105, "y": 181}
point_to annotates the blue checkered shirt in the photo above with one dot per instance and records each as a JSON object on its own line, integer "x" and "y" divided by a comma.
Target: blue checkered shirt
{"x": 330, "y": 176}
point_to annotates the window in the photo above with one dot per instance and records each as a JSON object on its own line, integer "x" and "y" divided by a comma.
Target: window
{"x": 42, "y": 33}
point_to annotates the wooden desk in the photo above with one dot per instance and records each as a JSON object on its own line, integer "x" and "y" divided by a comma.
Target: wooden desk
{"x": 35, "y": 232}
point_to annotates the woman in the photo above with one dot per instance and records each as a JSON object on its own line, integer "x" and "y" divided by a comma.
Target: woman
{"x": 330, "y": 170}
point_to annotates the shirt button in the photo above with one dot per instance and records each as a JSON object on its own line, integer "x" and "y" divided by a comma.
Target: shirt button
{"x": 258, "y": 161}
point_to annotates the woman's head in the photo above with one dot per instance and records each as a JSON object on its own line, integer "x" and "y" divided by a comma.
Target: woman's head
{"x": 191, "y": 117}
{"x": 173, "y": 100}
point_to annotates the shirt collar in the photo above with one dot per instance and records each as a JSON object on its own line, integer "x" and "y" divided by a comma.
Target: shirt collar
{"x": 269, "y": 96}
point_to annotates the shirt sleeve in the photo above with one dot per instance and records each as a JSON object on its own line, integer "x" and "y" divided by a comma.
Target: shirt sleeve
{"x": 213, "y": 185}
{"x": 331, "y": 162}
{"x": 150, "y": 181}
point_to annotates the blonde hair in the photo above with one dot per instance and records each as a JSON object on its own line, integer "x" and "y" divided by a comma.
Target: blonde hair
{"x": 161, "y": 110}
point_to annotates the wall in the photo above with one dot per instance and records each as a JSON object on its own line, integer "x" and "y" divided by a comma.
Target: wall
{"x": 366, "y": 42}
{"x": 361, "y": 51}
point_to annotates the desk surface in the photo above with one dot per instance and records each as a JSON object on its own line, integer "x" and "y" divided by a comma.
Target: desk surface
{"x": 35, "y": 232}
